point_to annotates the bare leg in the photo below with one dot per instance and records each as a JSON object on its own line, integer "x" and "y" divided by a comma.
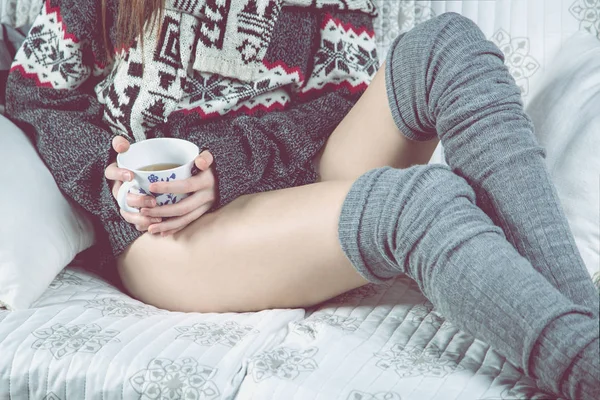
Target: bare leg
{"x": 368, "y": 138}
{"x": 270, "y": 250}
{"x": 274, "y": 249}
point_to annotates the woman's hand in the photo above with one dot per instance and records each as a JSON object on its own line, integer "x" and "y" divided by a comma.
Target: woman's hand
{"x": 202, "y": 197}
{"x": 120, "y": 175}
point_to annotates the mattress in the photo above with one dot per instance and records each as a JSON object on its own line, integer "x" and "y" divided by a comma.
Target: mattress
{"x": 85, "y": 339}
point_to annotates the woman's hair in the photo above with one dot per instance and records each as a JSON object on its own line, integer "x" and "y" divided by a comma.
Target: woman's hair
{"x": 131, "y": 21}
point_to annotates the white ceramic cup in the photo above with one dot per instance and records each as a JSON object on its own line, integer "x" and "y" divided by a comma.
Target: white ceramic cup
{"x": 151, "y": 152}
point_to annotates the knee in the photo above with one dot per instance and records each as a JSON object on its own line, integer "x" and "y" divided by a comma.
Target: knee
{"x": 412, "y": 199}
{"x": 451, "y": 25}
{"x": 436, "y": 184}
{"x": 433, "y": 33}
{"x": 409, "y": 205}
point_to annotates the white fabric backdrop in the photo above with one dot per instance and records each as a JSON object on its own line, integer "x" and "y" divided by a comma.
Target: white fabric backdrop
{"x": 18, "y": 13}
{"x": 529, "y": 32}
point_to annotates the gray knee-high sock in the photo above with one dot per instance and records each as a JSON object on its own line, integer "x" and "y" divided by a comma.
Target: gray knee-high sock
{"x": 423, "y": 222}
{"x": 444, "y": 78}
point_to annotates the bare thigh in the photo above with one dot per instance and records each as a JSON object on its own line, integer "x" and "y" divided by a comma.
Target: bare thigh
{"x": 269, "y": 250}
{"x": 276, "y": 249}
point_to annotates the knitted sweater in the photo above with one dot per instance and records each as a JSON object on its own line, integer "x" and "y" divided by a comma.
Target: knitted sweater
{"x": 312, "y": 61}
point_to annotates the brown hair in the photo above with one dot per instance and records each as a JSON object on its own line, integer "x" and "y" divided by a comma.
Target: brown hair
{"x": 131, "y": 21}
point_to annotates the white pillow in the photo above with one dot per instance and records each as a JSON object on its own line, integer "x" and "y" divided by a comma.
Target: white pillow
{"x": 566, "y": 114}
{"x": 40, "y": 233}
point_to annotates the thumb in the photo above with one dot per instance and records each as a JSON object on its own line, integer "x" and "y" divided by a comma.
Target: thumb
{"x": 204, "y": 160}
{"x": 120, "y": 144}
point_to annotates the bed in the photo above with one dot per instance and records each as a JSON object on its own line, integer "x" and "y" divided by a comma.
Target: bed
{"x": 86, "y": 339}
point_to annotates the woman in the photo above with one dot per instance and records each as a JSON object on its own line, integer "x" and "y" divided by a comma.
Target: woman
{"x": 271, "y": 93}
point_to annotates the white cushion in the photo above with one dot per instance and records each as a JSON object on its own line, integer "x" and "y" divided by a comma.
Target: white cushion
{"x": 40, "y": 232}
{"x": 566, "y": 113}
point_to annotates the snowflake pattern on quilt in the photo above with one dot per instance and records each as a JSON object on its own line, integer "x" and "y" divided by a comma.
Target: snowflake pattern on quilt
{"x": 587, "y": 12}
{"x": 521, "y": 65}
{"x": 184, "y": 378}
{"x": 115, "y": 307}
{"x": 419, "y": 312}
{"x": 282, "y": 362}
{"x": 310, "y": 326}
{"x": 227, "y": 334}
{"x": 347, "y": 56}
{"x": 50, "y": 54}
{"x": 413, "y": 361}
{"x": 63, "y": 340}
{"x": 358, "y": 395}
{"x": 359, "y": 294}
{"x": 51, "y": 396}
{"x": 66, "y": 278}
{"x": 425, "y": 314}
{"x": 438, "y": 322}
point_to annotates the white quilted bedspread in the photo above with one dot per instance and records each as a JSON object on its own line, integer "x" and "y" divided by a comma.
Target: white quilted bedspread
{"x": 84, "y": 339}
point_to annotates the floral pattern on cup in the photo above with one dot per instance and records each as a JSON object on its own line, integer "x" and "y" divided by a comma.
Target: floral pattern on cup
{"x": 282, "y": 362}
{"x": 175, "y": 379}
{"x": 414, "y": 361}
{"x": 161, "y": 198}
{"x": 227, "y": 334}
{"x": 63, "y": 340}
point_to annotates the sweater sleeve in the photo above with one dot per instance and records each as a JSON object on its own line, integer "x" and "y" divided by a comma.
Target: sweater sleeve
{"x": 50, "y": 95}
{"x": 276, "y": 149}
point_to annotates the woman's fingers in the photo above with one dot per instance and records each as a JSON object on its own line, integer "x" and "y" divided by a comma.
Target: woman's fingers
{"x": 178, "y": 222}
{"x": 141, "y": 223}
{"x": 181, "y": 208}
{"x": 171, "y": 233}
{"x": 115, "y": 188}
{"x": 139, "y": 201}
{"x": 189, "y": 185}
{"x": 114, "y": 173}
{"x": 204, "y": 160}
{"x": 118, "y": 175}
{"x": 120, "y": 144}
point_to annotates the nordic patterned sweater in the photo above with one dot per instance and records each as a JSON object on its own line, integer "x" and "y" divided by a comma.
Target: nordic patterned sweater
{"x": 263, "y": 132}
